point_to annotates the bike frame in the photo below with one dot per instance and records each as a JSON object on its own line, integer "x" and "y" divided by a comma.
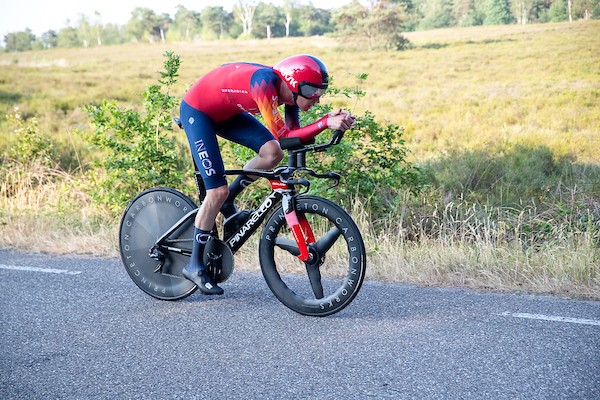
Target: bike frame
{"x": 281, "y": 193}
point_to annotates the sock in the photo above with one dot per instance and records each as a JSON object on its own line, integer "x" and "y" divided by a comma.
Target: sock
{"x": 236, "y": 187}
{"x": 198, "y": 245}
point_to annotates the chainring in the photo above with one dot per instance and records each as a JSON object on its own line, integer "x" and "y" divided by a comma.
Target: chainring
{"x": 218, "y": 258}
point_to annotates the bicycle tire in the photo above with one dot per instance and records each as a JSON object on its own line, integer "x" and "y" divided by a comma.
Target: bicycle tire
{"x": 341, "y": 272}
{"x": 149, "y": 215}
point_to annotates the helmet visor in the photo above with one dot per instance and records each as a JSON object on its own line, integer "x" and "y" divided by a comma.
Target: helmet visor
{"x": 311, "y": 91}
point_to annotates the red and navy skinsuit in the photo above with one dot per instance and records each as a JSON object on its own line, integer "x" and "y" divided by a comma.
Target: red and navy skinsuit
{"x": 221, "y": 103}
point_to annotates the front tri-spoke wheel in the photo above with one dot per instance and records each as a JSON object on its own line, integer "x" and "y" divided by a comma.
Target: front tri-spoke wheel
{"x": 332, "y": 276}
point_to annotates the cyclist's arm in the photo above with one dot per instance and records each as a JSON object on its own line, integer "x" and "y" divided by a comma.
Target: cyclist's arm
{"x": 306, "y": 133}
{"x": 279, "y": 129}
{"x": 267, "y": 100}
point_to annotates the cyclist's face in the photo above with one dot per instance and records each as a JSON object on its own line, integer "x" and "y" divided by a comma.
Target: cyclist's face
{"x": 305, "y": 104}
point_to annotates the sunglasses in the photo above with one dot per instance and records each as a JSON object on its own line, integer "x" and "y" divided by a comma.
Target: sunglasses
{"x": 311, "y": 91}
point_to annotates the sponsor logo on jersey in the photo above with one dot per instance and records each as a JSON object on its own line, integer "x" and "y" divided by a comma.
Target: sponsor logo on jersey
{"x": 236, "y": 91}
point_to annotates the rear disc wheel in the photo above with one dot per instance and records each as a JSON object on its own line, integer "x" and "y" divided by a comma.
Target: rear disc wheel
{"x": 149, "y": 215}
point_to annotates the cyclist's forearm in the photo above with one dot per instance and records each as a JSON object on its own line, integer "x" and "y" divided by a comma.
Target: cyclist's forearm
{"x": 308, "y": 132}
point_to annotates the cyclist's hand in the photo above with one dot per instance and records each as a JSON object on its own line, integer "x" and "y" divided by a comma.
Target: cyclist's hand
{"x": 340, "y": 120}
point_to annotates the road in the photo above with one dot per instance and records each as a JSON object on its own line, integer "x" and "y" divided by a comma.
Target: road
{"x": 78, "y": 328}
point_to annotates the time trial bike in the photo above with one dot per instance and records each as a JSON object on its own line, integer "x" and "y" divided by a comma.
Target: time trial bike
{"x": 311, "y": 252}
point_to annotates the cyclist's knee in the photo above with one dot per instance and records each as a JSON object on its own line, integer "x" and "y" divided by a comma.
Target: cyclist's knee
{"x": 271, "y": 153}
{"x": 217, "y": 195}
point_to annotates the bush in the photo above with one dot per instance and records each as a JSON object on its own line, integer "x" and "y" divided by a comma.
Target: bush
{"x": 31, "y": 147}
{"x": 136, "y": 151}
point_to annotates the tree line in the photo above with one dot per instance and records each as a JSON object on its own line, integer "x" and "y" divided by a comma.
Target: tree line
{"x": 380, "y": 21}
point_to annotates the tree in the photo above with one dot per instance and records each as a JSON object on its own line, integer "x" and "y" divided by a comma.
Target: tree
{"x": 496, "y": 12}
{"x": 160, "y": 27}
{"x": 215, "y": 21}
{"x": 526, "y": 11}
{"x": 98, "y": 28}
{"x": 244, "y": 10}
{"x": 269, "y": 20}
{"x": 19, "y": 41}
{"x": 145, "y": 24}
{"x": 49, "y": 39}
{"x": 586, "y": 9}
{"x": 379, "y": 26}
{"x": 67, "y": 37}
{"x": 314, "y": 21}
{"x": 464, "y": 13}
{"x": 436, "y": 14}
{"x": 289, "y": 9}
{"x": 558, "y": 11}
{"x": 84, "y": 30}
{"x": 113, "y": 34}
{"x": 186, "y": 23}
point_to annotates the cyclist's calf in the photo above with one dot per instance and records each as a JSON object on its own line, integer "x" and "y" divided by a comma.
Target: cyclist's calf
{"x": 210, "y": 207}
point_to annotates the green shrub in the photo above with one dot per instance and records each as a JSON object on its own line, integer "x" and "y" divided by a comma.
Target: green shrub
{"x": 136, "y": 151}
{"x": 31, "y": 147}
{"x": 371, "y": 158}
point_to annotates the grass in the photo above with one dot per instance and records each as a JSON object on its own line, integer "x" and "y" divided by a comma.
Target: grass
{"x": 504, "y": 120}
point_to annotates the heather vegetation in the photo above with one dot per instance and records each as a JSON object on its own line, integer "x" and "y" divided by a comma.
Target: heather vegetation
{"x": 492, "y": 178}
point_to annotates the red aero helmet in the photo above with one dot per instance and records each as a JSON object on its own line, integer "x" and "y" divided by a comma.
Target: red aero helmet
{"x": 305, "y": 75}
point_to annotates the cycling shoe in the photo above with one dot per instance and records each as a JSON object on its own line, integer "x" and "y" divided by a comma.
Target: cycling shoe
{"x": 203, "y": 280}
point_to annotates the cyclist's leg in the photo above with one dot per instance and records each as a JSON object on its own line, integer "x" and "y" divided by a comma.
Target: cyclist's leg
{"x": 247, "y": 131}
{"x": 244, "y": 129}
{"x": 269, "y": 156}
{"x": 200, "y": 131}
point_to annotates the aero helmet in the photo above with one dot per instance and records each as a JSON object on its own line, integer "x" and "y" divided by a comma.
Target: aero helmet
{"x": 305, "y": 75}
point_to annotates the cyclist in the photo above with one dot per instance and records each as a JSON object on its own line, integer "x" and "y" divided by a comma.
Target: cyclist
{"x": 221, "y": 103}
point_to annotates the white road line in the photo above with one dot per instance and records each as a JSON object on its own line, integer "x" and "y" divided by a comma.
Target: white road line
{"x": 46, "y": 270}
{"x": 552, "y": 318}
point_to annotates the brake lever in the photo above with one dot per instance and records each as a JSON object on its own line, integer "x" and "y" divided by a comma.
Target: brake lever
{"x": 334, "y": 176}
{"x": 301, "y": 181}
{"x": 285, "y": 175}
{"x": 330, "y": 175}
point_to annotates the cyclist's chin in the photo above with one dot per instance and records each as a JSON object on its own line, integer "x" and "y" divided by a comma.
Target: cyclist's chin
{"x": 306, "y": 106}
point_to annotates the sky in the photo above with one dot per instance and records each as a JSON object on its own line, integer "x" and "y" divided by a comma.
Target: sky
{"x": 43, "y": 15}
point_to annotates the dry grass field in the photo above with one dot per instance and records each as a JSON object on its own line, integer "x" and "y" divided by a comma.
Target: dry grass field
{"x": 457, "y": 92}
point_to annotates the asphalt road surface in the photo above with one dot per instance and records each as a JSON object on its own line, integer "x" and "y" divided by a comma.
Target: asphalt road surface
{"x": 79, "y": 328}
